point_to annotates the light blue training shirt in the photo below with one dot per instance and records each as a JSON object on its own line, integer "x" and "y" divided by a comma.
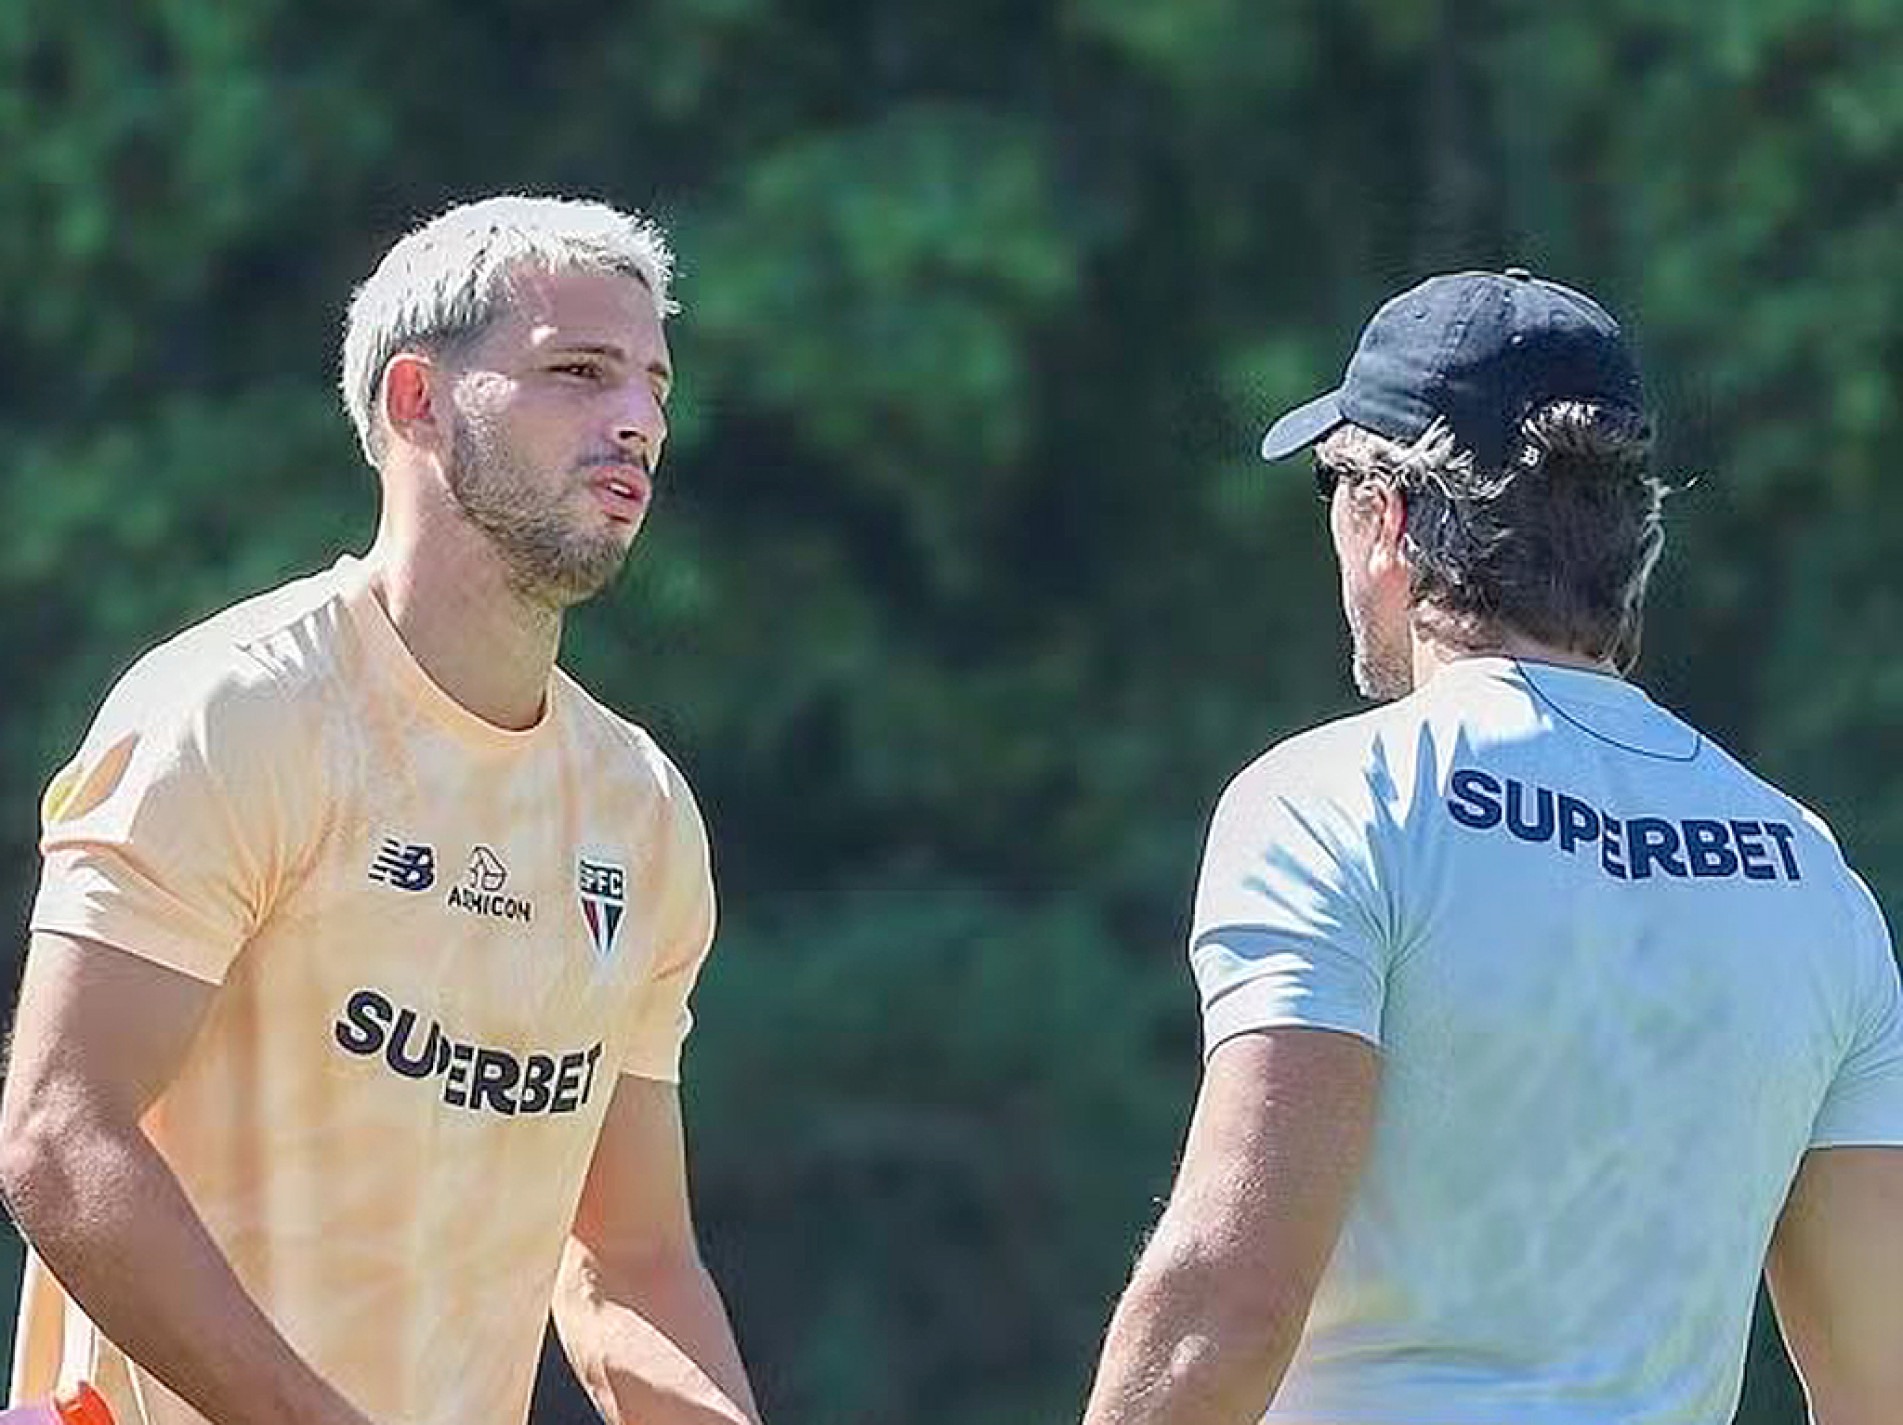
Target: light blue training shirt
{"x": 1620, "y": 986}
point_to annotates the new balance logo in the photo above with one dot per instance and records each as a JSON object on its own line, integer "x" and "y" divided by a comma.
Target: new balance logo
{"x": 407, "y": 865}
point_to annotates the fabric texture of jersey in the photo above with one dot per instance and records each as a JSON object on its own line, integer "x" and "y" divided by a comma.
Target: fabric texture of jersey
{"x": 1620, "y": 985}
{"x": 436, "y": 946}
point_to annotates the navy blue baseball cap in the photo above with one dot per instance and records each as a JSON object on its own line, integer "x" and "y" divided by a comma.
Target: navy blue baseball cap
{"x": 1479, "y": 350}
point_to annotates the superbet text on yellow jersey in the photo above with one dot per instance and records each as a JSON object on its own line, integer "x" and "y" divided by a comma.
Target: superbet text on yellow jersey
{"x": 436, "y": 944}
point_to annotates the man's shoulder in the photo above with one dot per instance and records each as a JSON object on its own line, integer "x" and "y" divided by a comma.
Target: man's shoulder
{"x": 248, "y": 667}
{"x": 1343, "y": 757}
{"x": 624, "y": 746}
{"x": 1760, "y": 787}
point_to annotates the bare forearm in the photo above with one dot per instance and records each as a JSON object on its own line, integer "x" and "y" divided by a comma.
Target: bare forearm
{"x": 1185, "y": 1348}
{"x": 651, "y": 1343}
{"x": 107, "y": 1216}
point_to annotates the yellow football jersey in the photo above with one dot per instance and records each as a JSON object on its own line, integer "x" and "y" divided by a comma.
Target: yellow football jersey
{"x": 436, "y": 943}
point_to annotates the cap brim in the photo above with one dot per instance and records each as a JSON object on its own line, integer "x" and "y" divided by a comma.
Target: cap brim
{"x": 1303, "y": 426}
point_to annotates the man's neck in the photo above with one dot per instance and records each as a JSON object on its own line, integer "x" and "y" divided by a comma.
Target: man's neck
{"x": 1432, "y": 654}
{"x": 477, "y": 638}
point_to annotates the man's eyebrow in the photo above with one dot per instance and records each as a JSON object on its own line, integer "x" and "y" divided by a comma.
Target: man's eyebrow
{"x": 592, "y": 348}
{"x": 613, "y": 353}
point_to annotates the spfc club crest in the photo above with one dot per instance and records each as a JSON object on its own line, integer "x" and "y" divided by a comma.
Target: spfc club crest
{"x": 602, "y": 887}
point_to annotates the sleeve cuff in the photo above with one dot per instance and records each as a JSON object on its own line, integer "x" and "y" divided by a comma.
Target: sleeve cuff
{"x": 77, "y": 899}
{"x": 1264, "y": 1003}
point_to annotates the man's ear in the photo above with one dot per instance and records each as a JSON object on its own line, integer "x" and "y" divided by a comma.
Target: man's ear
{"x": 1384, "y": 507}
{"x": 416, "y": 400}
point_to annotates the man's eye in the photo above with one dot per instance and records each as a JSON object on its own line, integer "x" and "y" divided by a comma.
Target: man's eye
{"x": 587, "y": 370}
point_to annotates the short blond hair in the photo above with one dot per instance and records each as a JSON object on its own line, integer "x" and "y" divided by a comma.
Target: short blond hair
{"x": 444, "y": 282}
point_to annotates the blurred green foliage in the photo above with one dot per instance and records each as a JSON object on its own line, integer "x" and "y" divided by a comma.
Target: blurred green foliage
{"x": 965, "y": 593}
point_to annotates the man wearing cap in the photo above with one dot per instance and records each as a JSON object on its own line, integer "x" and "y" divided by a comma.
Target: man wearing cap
{"x": 1536, "y": 1026}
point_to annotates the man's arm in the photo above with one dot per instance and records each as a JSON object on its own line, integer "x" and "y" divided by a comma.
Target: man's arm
{"x": 1210, "y": 1319}
{"x": 98, "y": 1034}
{"x": 638, "y": 1315}
{"x": 1836, "y": 1273}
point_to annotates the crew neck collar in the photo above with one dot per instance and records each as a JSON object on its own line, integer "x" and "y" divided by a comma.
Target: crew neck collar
{"x": 1593, "y": 684}
{"x": 1598, "y": 703}
{"x": 393, "y": 655}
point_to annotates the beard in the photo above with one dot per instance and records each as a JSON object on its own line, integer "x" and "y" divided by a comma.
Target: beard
{"x": 548, "y": 560}
{"x": 1383, "y": 658}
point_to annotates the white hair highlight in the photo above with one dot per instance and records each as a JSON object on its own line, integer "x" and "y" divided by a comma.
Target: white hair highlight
{"x": 445, "y": 281}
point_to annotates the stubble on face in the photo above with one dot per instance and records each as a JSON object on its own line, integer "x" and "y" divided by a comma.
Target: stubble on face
{"x": 549, "y": 559}
{"x": 1383, "y": 659}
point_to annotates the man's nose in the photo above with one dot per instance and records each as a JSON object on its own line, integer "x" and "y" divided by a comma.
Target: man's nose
{"x": 640, "y": 420}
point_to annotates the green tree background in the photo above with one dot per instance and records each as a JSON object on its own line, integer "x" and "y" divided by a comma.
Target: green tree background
{"x": 965, "y": 593}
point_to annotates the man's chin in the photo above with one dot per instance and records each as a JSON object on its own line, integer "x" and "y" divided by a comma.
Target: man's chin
{"x": 576, "y": 580}
{"x": 596, "y": 581}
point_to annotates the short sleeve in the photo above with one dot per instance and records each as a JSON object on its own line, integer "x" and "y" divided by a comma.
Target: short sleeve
{"x": 685, "y": 932}
{"x": 1288, "y": 929}
{"x": 161, "y": 834}
{"x": 1863, "y": 1106}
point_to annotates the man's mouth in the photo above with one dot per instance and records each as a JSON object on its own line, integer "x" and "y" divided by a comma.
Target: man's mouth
{"x": 624, "y": 491}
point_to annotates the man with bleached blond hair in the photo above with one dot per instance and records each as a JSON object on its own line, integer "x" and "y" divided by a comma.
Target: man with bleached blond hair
{"x": 350, "y": 1035}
